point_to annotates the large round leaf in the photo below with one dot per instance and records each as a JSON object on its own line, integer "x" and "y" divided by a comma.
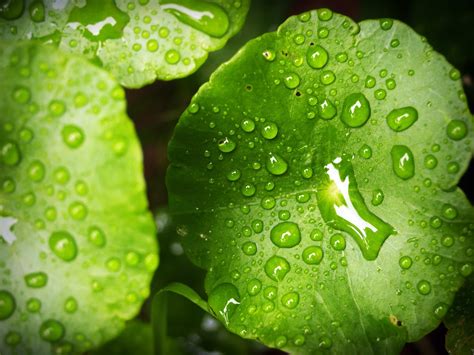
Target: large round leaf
{"x": 77, "y": 245}
{"x": 314, "y": 177}
{"x": 138, "y": 41}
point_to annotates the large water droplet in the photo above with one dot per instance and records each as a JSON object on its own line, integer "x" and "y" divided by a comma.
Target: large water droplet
{"x": 356, "y": 110}
{"x": 290, "y": 300}
{"x": 10, "y": 153}
{"x": 403, "y": 163}
{"x": 7, "y": 305}
{"x": 99, "y": 20}
{"x": 51, "y": 330}
{"x": 226, "y": 145}
{"x": 12, "y": 9}
{"x": 313, "y": 255}
{"x": 343, "y": 208}
{"x": 36, "y": 279}
{"x": 401, "y": 119}
{"x": 275, "y": 164}
{"x": 317, "y": 57}
{"x": 277, "y": 267}
{"x": 285, "y": 235}
{"x": 224, "y": 300}
{"x": 36, "y": 10}
{"x": 456, "y": 130}
{"x": 204, "y": 16}
{"x": 63, "y": 245}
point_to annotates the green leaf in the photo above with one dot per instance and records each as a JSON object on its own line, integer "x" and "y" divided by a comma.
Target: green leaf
{"x": 78, "y": 248}
{"x": 314, "y": 177}
{"x": 138, "y": 41}
{"x": 460, "y": 321}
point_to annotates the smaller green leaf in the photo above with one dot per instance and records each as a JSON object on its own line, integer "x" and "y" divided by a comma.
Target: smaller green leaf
{"x": 460, "y": 321}
{"x": 138, "y": 41}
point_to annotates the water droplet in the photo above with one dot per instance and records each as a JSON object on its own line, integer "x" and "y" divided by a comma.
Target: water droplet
{"x": 386, "y": 24}
{"x": 33, "y": 305}
{"x": 248, "y": 125}
{"x": 7, "y": 305}
{"x": 365, "y": 151}
{"x": 430, "y": 161}
{"x": 325, "y": 342}
{"x": 249, "y": 248}
{"x": 327, "y": 77}
{"x": 269, "y": 130}
{"x": 268, "y": 202}
{"x": 324, "y": 14}
{"x": 21, "y": 95}
{"x": 343, "y": 208}
{"x": 233, "y": 175}
{"x": 70, "y": 306}
{"x": 440, "y": 310}
{"x": 290, "y": 300}
{"x": 206, "y": 17}
{"x": 405, "y": 262}
{"x": 316, "y": 56}
{"x": 285, "y": 235}
{"x": 97, "y": 237}
{"x": 224, "y": 300}
{"x": 380, "y": 94}
{"x": 99, "y": 20}
{"x": 277, "y": 268}
{"x": 435, "y": 222}
{"x": 253, "y": 287}
{"x": 10, "y": 153}
{"x": 401, "y": 119}
{"x": 327, "y": 110}
{"x": 36, "y": 171}
{"x": 424, "y": 287}
{"x": 11, "y": 9}
{"x": 36, "y": 10}
{"x": 447, "y": 241}
{"x": 338, "y": 242}
{"x": 281, "y": 341}
{"x": 454, "y": 74}
{"x": 449, "y": 211}
{"x": 356, "y": 110}
{"x": 36, "y": 279}
{"x": 12, "y": 338}
{"x": 403, "y": 163}
{"x": 275, "y": 164}
{"x": 370, "y": 82}
{"x": 172, "y": 56}
{"x": 313, "y": 255}
{"x": 57, "y": 108}
{"x": 269, "y": 55}
{"x": 456, "y": 130}
{"x": 291, "y": 80}
{"x": 152, "y": 45}
{"x": 377, "y": 197}
{"x": 51, "y": 330}
{"x": 78, "y": 211}
{"x": 63, "y": 245}
{"x": 226, "y": 145}
{"x": 248, "y": 190}
{"x": 466, "y": 270}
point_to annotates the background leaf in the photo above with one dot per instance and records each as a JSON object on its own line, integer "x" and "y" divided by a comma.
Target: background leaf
{"x": 254, "y": 194}
{"x": 138, "y": 41}
{"x": 80, "y": 247}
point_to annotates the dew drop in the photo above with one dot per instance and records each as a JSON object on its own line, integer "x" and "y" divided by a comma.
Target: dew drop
{"x": 224, "y": 300}
{"x": 405, "y": 262}
{"x": 285, "y": 235}
{"x": 10, "y": 153}
{"x": 403, "y": 163}
{"x": 253, "y": 287}
{"x": 7, "y": 305}
{"x": 51, "y": 330}
{"x": 317, "y": 57}
{"x": 291, "y": 80}
{"x": 402, "y": 118}
{"x": 226, "y": 145}
{"x": 70, "y": 306}
{"x": 96, "y": 236}
{"x": 63, "y": 245}
{"x": 275, "y": 164}
{"x": 248, "y": 190}
{"x": 248, "y": 125}
{"x": 449, "y": 211}
{"x": 290, "y": 300}
{"x": 269, "y": 55}
{"x": 269, "y": 130}
{"x": 277, "y": 268}
{"x": 36, "y": 10}
{"x": 377, "y": 197}
{"x": 440, "y": 310}
{"x": 456, "y": 130}
{"x": 249, "y": 248}
{"x": 21, "y": 95}
{"x": 430, "y": 161}
{"x": 313, "y": 255}
{"x": 424, "y": 287}
{"x": 327, "y": 110}
{"x": 36, "y": 279}
{"x": 172, "y": 56}
{"x": 338, "y": 242}
{"x": 386, "y": 24}
{"x": 356, "y": 110}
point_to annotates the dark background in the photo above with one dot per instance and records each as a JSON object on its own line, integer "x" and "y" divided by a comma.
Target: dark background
{"x": 155, "y": 109}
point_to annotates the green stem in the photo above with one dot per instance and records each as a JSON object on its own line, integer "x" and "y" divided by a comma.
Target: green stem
{"x": 159, "y": 312}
